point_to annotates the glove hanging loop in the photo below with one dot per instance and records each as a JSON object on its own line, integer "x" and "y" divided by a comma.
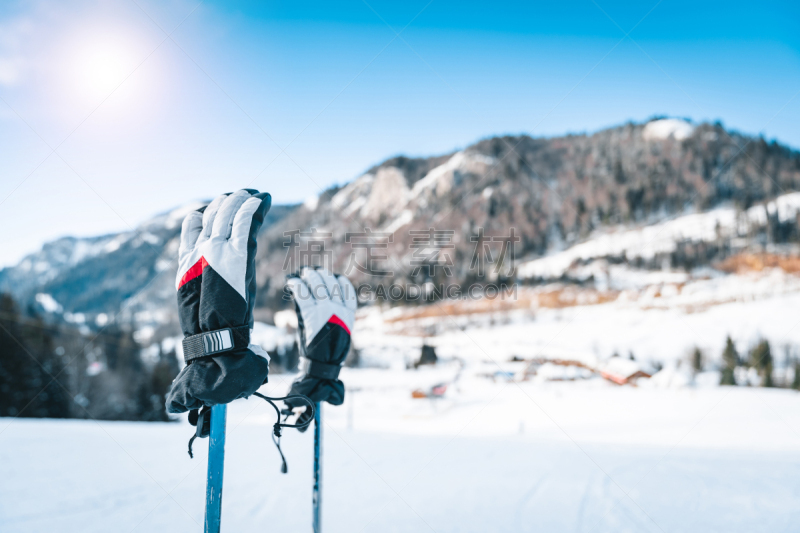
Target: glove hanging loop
{"x": 276, "y": 428}
{"x": 203, "y": 422}
{"x": 201, "y": 419}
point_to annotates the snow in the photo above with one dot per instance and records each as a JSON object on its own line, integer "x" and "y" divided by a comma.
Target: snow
{"x": 311, "y": 203}
{"x": 511, "y": 446}
{"x": 175, "y": 343}
{"x": 144, "y": 334}
{"x": 491, "y": 456}
{"x": 564, "y": 450}
{"x": 661, "y": 238}
{"x": 355, "y": 205}
{"x": 386, "y": 193}
{"x": 620, "y": 366}
{"x": 149, "y": 238}
{"x": 438, "y": 177}
{"x": 271, "y": 338}
{"x": 285, "y": 319}
{"x": 404, "y": 218}
{"x": 75, "y": 318}
{"x": 785, "y": 207}
{"x": 358, "y": 189}
{"x": 114, "y": 244}
{"x": 644, "y": 242}
{"x": 668, "y": 127}
{"x": 436, "y": 174}
{"x": 552, "y": 372}
{"x": 175, "y": 217}
{"x": 659, "y": 323}
{"x": 673, "y": 376}
{"x": 83, "y": 249}
{"x": 48, "y": 303}
{"x": 95, "y": 368}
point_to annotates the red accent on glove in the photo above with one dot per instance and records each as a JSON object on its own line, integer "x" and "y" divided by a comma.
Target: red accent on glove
{"x": 339, "y": 322}
{"x": 195, "y": 270}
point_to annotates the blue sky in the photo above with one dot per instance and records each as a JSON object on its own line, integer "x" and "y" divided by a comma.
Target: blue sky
{"x": 294, "y": 97}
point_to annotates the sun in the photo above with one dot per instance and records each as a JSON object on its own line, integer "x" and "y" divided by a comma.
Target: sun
{"x": 102, "y": 69}
{"x": 99, "y": 63}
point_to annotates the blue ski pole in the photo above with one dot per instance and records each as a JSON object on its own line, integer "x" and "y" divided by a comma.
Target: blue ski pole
{"x": 216, "y": 462}
{"x": 317, "y": 467}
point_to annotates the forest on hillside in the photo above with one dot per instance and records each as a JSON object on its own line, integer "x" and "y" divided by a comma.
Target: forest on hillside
{"x": 57, "y": 371}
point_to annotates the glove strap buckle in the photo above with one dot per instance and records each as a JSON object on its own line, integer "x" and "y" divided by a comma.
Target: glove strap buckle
{"x": 320, "y": 370}
{"x": 215, "y": 342}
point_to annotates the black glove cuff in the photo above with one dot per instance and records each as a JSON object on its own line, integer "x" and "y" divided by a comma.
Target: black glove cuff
{"x": 215, "y": 342}
{"x": 318, "y": 369}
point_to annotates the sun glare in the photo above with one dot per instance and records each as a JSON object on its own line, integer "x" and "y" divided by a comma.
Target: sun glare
{"x": 102, "y": 70}
{"x": 100, "y": 63}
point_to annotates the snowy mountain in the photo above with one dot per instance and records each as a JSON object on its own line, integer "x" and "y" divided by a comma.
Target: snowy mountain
{"x": 127, "y": 276}
{"x": 665, "y": 194}
{"x": 555, "y": 193}
{"x": 642, "y": 250}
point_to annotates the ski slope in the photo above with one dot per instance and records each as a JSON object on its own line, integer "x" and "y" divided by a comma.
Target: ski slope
{"x": 490, "y": 456}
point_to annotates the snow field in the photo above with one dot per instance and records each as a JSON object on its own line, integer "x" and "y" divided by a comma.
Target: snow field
{"x": 663, "y": 329}
{"x": 490, "y": 456}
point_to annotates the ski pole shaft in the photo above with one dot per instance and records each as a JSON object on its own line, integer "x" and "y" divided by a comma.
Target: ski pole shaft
{"x": 316, "y": 500}
{"x": 216, "y": 462}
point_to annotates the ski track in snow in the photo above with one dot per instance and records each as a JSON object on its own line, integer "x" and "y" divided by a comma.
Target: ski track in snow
{"x": 526, "y": 499}
{"x": 716, "y": 459}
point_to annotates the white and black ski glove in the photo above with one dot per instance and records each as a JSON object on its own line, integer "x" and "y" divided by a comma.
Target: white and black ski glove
{"x": 216, "y": 286}
{"x": 326, "y": 311}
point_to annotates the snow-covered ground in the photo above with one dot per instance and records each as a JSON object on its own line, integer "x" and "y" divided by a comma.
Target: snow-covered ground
{"x": 506, "y": 448}
{"x": 490, "y": 456}
{"x": 649, "y": 240}
{"x": 661, "y": 323}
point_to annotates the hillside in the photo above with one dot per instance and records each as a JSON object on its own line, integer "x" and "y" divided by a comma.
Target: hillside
{"x": 555, "y": 193}
{"x": 128, "y": 276}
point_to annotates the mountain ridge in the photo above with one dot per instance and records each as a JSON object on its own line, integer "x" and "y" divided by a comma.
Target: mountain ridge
{"x": 554, "y": 191}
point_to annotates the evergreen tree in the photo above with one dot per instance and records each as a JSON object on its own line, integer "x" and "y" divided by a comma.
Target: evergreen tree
{"x": 124, "y": 389}
{"x": 761, "y": 360}
{"x": 796, "y": 382}
{"x": 44, "y": 371}
{"x": 29, "y": 367}
{"x": 161, "y": 378}
{"x": 697, "y": 360}
{"x": 730, "y": 360}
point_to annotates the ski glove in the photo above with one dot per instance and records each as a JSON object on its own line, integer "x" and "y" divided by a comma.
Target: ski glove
{"x": 216, "y": 286}
{"x": 326, "y": 307}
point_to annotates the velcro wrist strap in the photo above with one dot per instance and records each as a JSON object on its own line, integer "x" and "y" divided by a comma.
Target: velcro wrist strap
{"x": 215, "y": 342}
{"x": 318, "y": 369}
